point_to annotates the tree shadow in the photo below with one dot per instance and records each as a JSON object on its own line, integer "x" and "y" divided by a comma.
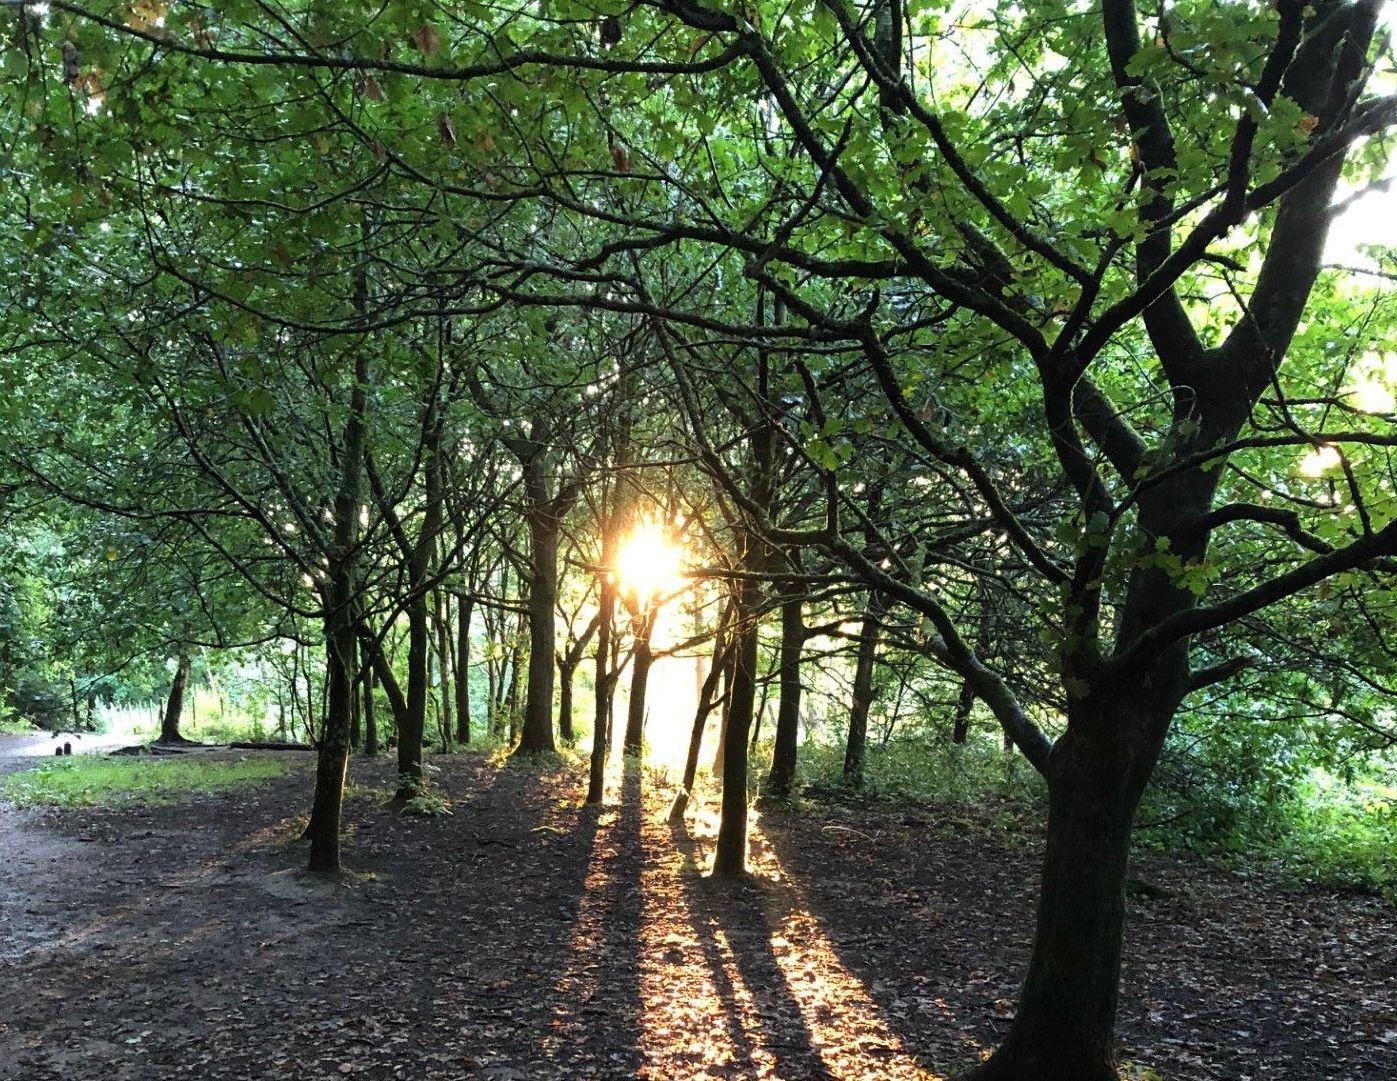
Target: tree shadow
{"x": 736, "y": 925}
{"x": 597, "y": 1003}
{"x": 932, "y": 928}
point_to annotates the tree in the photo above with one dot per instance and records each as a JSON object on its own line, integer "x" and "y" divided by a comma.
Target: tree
{"x": 780, "y": 781}
{"x": 174, "y": 704}
{"x": 1074, "y": 247}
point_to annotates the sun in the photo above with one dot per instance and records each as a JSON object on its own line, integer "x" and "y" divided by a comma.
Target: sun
{"x": 649, "y": 564}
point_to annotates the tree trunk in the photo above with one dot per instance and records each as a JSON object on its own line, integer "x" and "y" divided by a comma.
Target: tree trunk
{"x": 707, "y": 694}
{"x": 293, "y": 686}
{"x": 781, "y": 779}
{"x": 374, "y": 656}
{"x": 463, "y": 669}
{"x": 642, "y": 658}
{"x": 370, "y": 720}
{"x": 311, "y": 722}
{"x": 492, "y": 689}
{"x": 332, "y": 758}
{"x": 856, "y": 746}
{"x": 568, "y": 660}
{"x": 566, "y": 670}
{"x": 601, "y": 725}
{"x": 174, "y": 705}
{"x": 730, "y": 858}
{"x": 338, "y": 598}
{"x": 441, "y": 609}
{"x": 537, "y": 734}
{"x": 720, "y": 751}
{"x": 510, "y": 715}
{"x": 356, "y": 713}
{"x": 412, "y": 726}
{"x": 1064, "y": 1029}
{"x": 960, "y": 728}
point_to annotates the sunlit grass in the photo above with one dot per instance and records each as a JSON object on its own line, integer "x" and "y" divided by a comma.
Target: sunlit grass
{"x": 89, "y": 781}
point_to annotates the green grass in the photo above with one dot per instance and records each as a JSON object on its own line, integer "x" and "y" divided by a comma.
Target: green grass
{"x": 92, "y": 781}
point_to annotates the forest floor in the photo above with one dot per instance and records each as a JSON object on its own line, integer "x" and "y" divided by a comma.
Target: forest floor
{"x": 527, "y": 937}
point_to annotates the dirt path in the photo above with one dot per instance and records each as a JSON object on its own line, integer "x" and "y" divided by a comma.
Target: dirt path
{"x": 527, "y": 938}
{"x": 17, "y": 747}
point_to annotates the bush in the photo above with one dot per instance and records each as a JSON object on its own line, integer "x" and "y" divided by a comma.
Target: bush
{"x": 1251, "y": 794}
{"x": 931, "y": 770}
{"x": 1226, "y": 789}
{"x": 1344, "y": 836}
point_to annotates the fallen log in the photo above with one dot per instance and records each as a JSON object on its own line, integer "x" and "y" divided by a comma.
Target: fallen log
{"x": 268, "y": 745}
{"x": 148, "y": 748}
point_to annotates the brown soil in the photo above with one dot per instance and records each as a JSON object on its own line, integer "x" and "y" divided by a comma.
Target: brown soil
{"x": 526, "y": 937}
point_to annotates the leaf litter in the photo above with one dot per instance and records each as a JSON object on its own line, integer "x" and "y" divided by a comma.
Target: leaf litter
{"x": 528, "y": 937}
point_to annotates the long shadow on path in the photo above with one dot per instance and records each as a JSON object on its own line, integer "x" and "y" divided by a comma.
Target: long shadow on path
{"x": 788, "y": 1007}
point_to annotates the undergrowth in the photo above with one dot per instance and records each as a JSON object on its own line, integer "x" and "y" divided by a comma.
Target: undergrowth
{"x": 1340, "y": 836}
{"x": 975, "y": 774}
{"x": 1313, "y": 829}
{"x": 11, "y": 721}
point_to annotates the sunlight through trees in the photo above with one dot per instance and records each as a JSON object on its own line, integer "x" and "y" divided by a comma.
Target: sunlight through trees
{"x": 988, "y": 405}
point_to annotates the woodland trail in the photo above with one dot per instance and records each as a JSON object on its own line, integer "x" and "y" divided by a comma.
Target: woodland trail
{"x": 17, "y": 749}
{"x": 525, "y": 937}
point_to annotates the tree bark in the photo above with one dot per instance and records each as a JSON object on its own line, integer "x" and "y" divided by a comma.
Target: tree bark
{"x": 493, "y": 674}
{"x": 1064, "y": 1028}
{"x": 568, "y": 660}
{"x": 856, "y": 746}
{"x": 642, "y": 658}
{"x": 960, "y": 725}
{"x": 374, "y": 656}
{"x": 566, "y": 670}
{"x": 174, "y": 705}
{"x": 356, "y": 712}
{"x": 730, "y": 858}
{"x": 510, "y": 716}
{"x": 601, "y": 724}
{"x": 537, "y": 733}
{"x": 338, "y": 597}
{"x": 370, "y": 719}
{"x": 721, "y": 749}
{"x": 464, "y": 605}
{"x": 441, "y": 612}
{"x": 412, "y": 726}
{"x": 310, "y": 718}
{"x": 332, "y": 759}
{"x": 707, "y": 694}
{"x": 781, "y": 778}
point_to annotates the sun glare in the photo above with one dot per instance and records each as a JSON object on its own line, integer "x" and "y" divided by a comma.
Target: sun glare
{"x": 1319, "y": 461}
{"x": 1373, "y": 397}
{"x": 1371, "y": 390}
{"x": 649, "y": 564}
